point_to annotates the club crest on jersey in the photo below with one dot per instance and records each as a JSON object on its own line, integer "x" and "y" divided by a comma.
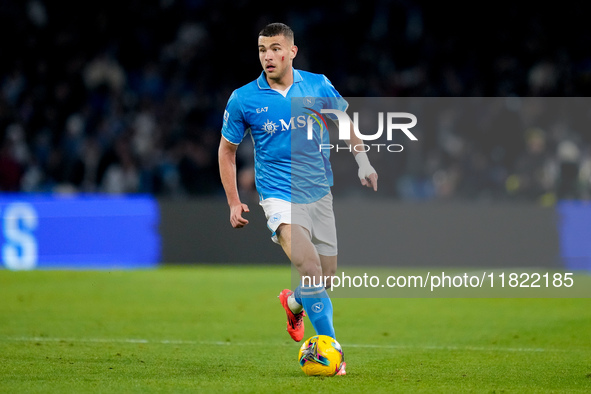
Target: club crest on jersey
{"x": 317, "y": 307}
{"x": 309, "y": 101}
{"x": 269, "y": 127}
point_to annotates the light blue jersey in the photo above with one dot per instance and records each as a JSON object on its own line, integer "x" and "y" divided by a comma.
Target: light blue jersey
{"x": 288, "y": 165}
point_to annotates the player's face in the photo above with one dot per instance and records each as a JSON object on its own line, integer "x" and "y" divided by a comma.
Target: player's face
{"x": 276, "y": 55}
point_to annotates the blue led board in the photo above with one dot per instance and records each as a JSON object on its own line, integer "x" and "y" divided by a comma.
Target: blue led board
{"x": 78, "y": 232}
{"x": 575, "y": 234}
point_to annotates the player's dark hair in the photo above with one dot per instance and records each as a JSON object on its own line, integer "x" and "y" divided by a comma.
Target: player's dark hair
{"x": 277, "y": 29}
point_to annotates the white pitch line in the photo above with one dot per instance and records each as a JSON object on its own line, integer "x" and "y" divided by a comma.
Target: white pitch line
{"x": 224, "y": 343}
{"x": 457, "y": 348}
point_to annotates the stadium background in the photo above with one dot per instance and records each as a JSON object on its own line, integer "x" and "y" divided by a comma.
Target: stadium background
{"x": 127, "y": 98}
{"x": 109, "y": 123}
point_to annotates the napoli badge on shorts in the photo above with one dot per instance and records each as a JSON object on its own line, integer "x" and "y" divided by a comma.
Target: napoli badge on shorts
{"x": 275, "y": 218}
{"x": 309, "y": 101}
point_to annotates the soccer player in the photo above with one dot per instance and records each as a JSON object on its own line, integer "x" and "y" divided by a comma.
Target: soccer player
{"x": 299, "y": 212}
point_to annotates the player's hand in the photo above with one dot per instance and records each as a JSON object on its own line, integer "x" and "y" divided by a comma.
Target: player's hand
{"x": 371, "y": 181}
{"x": 236, "y": 215}
{"x": 367, "y": 174}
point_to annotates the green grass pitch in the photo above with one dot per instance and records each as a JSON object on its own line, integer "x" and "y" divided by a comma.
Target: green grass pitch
{"x": 222, "y": 329}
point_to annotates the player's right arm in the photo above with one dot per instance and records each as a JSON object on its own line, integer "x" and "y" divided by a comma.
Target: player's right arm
{"x": 227, "y": 163}
{"x": 232, "y": 134}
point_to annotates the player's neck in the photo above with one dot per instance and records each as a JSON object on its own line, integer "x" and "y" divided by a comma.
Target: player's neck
{"x": 281, "y": 83}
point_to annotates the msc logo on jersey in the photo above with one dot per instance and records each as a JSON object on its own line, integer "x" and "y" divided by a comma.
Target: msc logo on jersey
{"x": 269, "y": 127}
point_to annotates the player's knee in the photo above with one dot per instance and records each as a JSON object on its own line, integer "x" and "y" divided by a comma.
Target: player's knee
{"x": 283, "y": 232}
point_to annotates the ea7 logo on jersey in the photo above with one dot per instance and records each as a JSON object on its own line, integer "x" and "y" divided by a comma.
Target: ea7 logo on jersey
{"x": 263, "y": 109}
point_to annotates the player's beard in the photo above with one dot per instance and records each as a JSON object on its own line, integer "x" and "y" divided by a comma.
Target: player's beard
{"x": 277, "y": 76}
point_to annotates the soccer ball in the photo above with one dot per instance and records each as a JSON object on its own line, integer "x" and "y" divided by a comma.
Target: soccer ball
{"x": 321, "y": 355}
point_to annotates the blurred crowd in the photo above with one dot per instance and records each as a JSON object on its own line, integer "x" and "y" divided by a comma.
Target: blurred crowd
{"x": 128, "y": 97}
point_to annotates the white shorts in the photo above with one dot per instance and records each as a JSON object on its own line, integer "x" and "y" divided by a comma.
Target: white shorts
{"x": 317, "y": 218}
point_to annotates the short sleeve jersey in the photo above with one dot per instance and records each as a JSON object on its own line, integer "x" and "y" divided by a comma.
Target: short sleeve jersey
{"x": 289, "y": 164}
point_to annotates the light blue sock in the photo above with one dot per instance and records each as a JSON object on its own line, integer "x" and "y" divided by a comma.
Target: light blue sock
{"x": 297, "y": 294}
{"x": 318, "y": 307}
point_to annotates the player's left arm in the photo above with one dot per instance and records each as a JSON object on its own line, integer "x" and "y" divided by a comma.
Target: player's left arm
{"x": 367, "y": 174}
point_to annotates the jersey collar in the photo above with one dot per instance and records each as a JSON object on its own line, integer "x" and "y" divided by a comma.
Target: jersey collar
{"x": 264, "y": 85}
